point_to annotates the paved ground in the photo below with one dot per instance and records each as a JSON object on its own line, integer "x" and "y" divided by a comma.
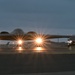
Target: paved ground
{"x": 51, "y": 59}
{"x": 36, "y": 63}
{"x": 51, "y": 48}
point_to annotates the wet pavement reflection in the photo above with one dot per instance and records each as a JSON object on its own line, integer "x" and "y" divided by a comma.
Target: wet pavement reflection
{"x": 39, "y": 49}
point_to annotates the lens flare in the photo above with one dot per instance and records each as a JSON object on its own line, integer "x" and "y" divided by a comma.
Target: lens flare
{"x": 39, "y": 40}
{"x": 20, "y": 42}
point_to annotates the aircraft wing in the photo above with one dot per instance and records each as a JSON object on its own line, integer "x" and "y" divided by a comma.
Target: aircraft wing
{"x": 5, "y": 37}
{"x": 30, "y": 37}
{"x": 11, "y": 37}
{"x": 57, "y": 36}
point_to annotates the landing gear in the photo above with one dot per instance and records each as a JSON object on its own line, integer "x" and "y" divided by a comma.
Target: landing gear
{"x": 72, "y": 44}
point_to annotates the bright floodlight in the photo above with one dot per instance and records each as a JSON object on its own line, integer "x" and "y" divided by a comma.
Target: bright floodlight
{"x": 20, "y": 42}
{"x": 39, "y": 40}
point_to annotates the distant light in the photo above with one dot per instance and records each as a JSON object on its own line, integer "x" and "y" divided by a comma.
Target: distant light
{"x": 20, "y": 42}
{"x": 39, "y": 40}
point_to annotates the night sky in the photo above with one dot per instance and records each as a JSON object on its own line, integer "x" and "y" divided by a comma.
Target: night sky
{"x": 49, "y": 16}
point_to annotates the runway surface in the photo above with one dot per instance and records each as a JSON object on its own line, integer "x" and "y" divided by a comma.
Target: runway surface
{"x": 51, "y": 59}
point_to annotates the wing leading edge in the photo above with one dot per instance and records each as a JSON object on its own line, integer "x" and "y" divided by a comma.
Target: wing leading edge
{"x": 30, "y": 37}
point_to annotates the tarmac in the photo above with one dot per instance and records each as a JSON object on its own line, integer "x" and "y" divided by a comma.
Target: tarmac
{"x": 53, "y": 58}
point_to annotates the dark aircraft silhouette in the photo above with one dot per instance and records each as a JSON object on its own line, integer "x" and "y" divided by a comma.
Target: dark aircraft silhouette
{"x": 19, "y": 34}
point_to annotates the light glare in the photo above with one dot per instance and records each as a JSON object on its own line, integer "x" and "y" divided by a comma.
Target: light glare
{"x": 39, "y": 40}
{"x": 38, "y": 49}
{"x": 20, "y": 42}
{"x": 20, "y": 49}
